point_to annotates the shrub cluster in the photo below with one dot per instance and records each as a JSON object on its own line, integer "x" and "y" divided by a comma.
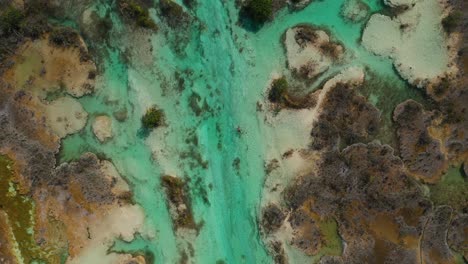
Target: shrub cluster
{"x": 278, "y": 90}
{"x": 16, "y": 24}
{"x": 153, "y": 118}
{"x": 173, "y": 13}
{"x": 64, "y": 37}
{"x": 137, "y": 13}
{"x": 259, "y": 11}
{"x": 450, "y": 22}
{"x": 10, "y": 20}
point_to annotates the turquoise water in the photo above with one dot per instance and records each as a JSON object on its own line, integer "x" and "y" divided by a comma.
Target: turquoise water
{"x": 228, "y": 68}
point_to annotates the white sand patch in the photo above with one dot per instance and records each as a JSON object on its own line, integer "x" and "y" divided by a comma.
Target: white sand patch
{"x": 290, "y": 131}
{"x": 413, "y": 39}
{"x": 121, "y": 222}
{"x": 102, "y": 128}
{"x": 299, "y": 163}
{"x": 352, "y": 75}
{"x": 65, "y": 116}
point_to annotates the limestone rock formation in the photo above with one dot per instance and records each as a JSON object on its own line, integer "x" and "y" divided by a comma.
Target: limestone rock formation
{"x": 310, "y": 51}
{"x": 102, "y": 128}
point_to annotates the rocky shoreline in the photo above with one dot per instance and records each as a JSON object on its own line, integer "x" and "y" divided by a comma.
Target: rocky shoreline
{"x": 375, "y": 194}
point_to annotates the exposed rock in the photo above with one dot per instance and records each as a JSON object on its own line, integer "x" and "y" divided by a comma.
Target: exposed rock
{"x": 119, "y": 186}
{"x": 255, "y": 13}
{"x": 81, "y": 206}
{"x": 331, "y": 260}
{"x": 308, "y": 235}
{"x": 90, "y": 199}
{"x": 379, "y": 209}
{"x": 454, "y": 121}
{"x": 457, "y": 236}
{"x": 173, "y": 13}
{"x": 65, "y": 116}
{"x": 344, "y": 118}
{"x": 434, "y": 248}
{"x": 26, "y": 135}
{"x": 95, "y": 178}
{"x": 44, "y": 68}
{"x": 102, "y": 128}
{"x": 272, "y": 218}
{"x": 299, "y": 4}
{"x": 121, "y": 115}
{"x": 420, "y": 152}
{"x": 279, "y": 256}
{"x": 309, "y": 51}
{"x": 135, "y": 11}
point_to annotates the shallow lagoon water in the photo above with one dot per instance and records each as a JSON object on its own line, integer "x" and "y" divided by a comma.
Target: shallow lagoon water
{"x": 229, "y": 71}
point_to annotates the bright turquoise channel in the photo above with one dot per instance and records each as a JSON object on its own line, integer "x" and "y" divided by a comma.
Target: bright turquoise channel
{"x": 230, "y": 68}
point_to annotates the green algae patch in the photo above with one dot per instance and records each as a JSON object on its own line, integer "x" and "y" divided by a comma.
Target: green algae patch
{"x": 332, "y": 245}
{"x": 451, "y": 190}
{"x": 19, "y": 209}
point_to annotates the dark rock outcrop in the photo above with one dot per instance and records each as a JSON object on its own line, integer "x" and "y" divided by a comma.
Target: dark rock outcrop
{"x": 345, "y": 118}
{"x": 379, "y": 209}
{"x": 457, "y": 236}
{"x": 434, "y": 247}
{"x": 420, "y": 152}
{"x": 178, "y": 202}
{"x": 272, "y": 218}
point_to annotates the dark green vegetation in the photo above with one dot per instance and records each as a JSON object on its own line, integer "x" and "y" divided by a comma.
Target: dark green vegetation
{"x": 278, "y": 90}
{"x": 259, "y": 11}
{"x": 451, "y": 21}
{"x": 190, "y": 3}
{"x": 15, "y": 25}
{"x": 173, "y": 13}
{"x": 64, "y": 37}
{"x": 153, "y": 118}
{"x": 10, "y": 20}
{"x": 280, "y": 94}
{"x": 137, "y": 13}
